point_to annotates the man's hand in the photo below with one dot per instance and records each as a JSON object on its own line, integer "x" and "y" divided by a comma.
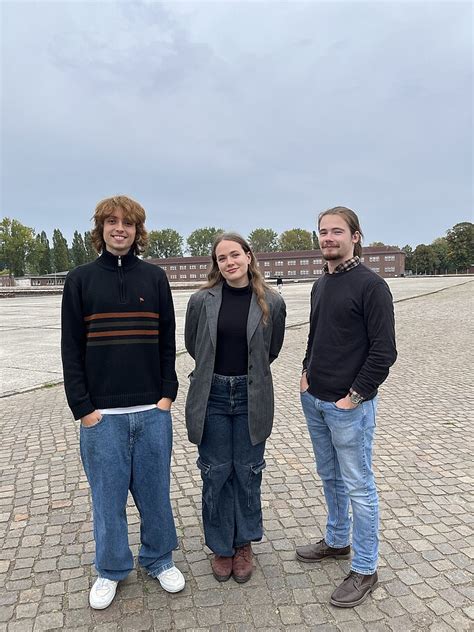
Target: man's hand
{"x": 164, "y": 403}
{"x": 345, "y": 403}
{"x": 91, "y": 419}
{"x": 304, "y": 384}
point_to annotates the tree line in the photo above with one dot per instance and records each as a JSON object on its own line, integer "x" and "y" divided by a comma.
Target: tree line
{"x": 445, "y": 255}
{"x": 23, "y": 251}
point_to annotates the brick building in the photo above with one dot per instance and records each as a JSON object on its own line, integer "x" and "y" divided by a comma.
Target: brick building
{"x": 388, "y": 261}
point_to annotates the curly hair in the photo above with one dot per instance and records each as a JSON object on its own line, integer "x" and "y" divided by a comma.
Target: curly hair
{"x": 351, "y": 220}
{"x": 131, "y": 210}
{"x": 257, "y": 282}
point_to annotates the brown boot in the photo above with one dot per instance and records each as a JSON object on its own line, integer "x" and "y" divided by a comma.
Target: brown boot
{"x": 320, "y": 551}
{"x": 242, "y": 565}
{"x": 221, "y": 567}
{"x": 354, "y": 590}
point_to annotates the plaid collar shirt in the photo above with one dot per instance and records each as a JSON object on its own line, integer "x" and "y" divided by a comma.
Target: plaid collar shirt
{"x": 343, "y": 267}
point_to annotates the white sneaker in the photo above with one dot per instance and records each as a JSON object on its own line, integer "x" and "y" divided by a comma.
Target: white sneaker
{"x": 171, "y": 580}
{"x": 102, "y": 593}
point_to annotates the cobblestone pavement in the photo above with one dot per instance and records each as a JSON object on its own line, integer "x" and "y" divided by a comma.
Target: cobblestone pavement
{"x": 424, "y": 466}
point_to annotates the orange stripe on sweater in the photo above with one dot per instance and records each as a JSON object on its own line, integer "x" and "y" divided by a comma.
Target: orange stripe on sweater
{"x": 122, "y": 315}
{"x": 127, "y": 332}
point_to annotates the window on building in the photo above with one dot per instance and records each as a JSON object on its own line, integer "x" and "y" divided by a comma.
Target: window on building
{"x": 164, "y": 267}
{"x": 182, "y": 267}
{"x": 304, "y": 262}
{"x": 192, "y": 266}
{"x": 375, "y": 269}
{"x": 193, "y": 276}
{"x": 278, "y": 274}
{"x": 172, "y": 267}
{"x": 291, "y": 262}
{"x": 173, "y": 276}
{"x": 319, "y": 271}
{"x": 304, "y": 272}
{"x": 389, "y": 257}
{"x": 266, "y": 264}
{"x": 278, "y": 263}
{"x": 203, "y": 276}
{"x": 291, "y": 272}
{"x": 362, "y": 259}
{"x": 389, "y": 268}
{"x": 267, "y": 273}
{"x": 202, "y": 266}
{"x": 317, "y": 261}
{"x": 373, "y": 258}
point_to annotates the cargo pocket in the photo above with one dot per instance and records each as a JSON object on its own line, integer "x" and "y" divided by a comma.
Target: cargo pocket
{"x": 254, "y": 484}
{"x": 214, "y": 478}
{"x": 206, "y": 485}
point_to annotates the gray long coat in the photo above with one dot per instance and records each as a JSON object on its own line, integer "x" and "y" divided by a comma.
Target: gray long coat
{"x": 264, "y": 344}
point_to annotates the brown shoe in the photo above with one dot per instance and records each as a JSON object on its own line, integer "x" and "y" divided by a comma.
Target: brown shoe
{"x": 320, "y": 551}
{"x": 354, "y": 590}
{"x": 221, "y": 567}
{"x": 242, "y": 564}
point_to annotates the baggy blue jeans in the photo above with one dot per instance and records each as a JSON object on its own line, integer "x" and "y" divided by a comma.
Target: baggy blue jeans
{"x": 130, "y": 452}
{"x": 342, "y": 443}
{"x": 231, "y": 469}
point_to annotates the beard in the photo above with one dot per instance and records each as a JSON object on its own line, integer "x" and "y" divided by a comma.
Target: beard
{"x": 331, "y": 256}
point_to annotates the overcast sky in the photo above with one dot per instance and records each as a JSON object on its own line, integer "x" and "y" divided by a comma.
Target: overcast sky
{"x": 239, "y": 114}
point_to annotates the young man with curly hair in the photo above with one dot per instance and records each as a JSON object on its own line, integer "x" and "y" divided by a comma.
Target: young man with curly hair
{"x": 118, "y": 351}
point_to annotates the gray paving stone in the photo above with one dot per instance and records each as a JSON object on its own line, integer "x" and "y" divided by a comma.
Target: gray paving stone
{"x": 50, "y": 621}
{"x": 290, "y": 615}
{"x": 26, "y": 611}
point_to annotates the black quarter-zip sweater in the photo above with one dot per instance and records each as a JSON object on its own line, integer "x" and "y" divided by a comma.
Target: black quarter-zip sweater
{"x": 118, "y": 335}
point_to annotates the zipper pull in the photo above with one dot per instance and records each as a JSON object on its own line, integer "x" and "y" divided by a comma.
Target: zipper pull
{"x": 120, "y": 262}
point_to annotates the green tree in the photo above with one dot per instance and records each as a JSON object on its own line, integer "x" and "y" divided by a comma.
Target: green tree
{"x": 39, "y": 260}
{"x": 377, "y": 244}
{"x": 296, "y": 239}
{"x": 408, "y": 250}
{"x": 200, "y": 241}
{"x": 16, "y": 244}
{"x": 78, "y": 250}
{"x": 91, "y": 254}
{"x": 440, "y": 250}
{"x": 60, "y": 253}
{"x": 315, "y": 240}
{"x": 424, "y": 259}
{"x": 460, "y": 239}
{"x": 263, "y": 240}
{"x": 164, "y": 243}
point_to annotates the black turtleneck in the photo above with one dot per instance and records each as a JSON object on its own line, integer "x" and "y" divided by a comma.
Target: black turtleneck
{"x": 232, "y": 352}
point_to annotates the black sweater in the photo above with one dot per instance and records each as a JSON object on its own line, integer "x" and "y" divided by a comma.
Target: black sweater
{"x": 231, "y": 349}
{"x": 351, "y": 340}
{"x": 118, "y": 335}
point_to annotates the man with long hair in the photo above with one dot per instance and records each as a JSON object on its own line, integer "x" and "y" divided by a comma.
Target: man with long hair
{"x": 118, "y": 351}
{"x": 351, "y": 346}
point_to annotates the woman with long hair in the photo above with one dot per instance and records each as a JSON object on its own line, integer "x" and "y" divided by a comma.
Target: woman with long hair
{"x": 234, "y": 329}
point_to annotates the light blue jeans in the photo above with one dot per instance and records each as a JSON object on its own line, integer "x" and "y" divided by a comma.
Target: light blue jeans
{"x": 342, "y": 443}
{"x": 130, "y": 452}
